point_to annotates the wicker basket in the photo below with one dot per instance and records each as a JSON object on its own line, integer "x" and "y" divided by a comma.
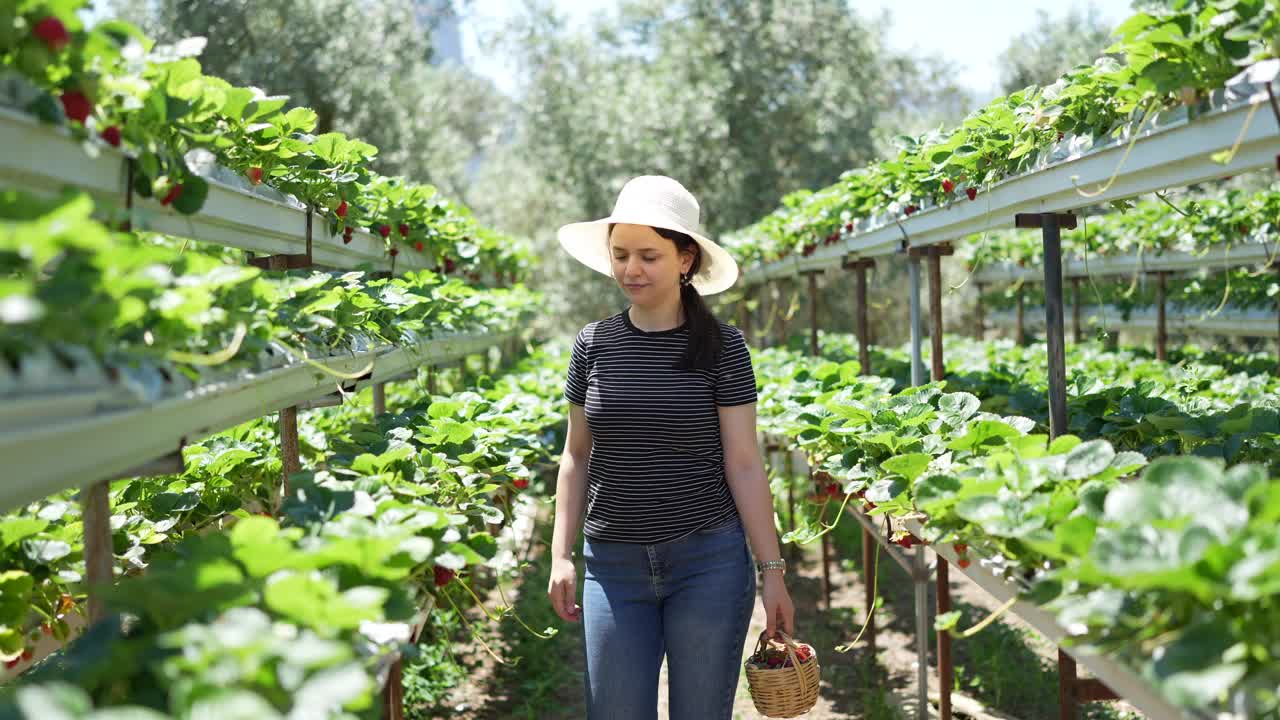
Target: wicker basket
{"x": 783, "y": 692}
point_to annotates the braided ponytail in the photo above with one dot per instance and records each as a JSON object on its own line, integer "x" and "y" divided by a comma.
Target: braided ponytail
{"x": 703, "y": 350}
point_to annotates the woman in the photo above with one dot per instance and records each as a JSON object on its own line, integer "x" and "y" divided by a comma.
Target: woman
{"x": 661, "y": 451}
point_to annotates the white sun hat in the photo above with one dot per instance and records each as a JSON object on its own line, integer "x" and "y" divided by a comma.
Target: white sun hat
{"x": 656, "y": 201}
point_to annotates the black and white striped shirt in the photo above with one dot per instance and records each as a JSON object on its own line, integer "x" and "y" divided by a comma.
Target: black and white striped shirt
{"x": 656, "y": 472}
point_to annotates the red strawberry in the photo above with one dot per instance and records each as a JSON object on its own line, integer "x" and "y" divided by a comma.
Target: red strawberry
{"x": 833, "y": 489}
{"x": 76, "y": 106}
{"x": 342, "y": 209}
{"x": 111, "y": 135}
{"x": 174, "y": 193}
{"x": 27, "y": 654}
{"x": 448, "y": 265}
{"x": 520, "y": 483}
{"x": 418, "y": 246}
{"x": 255, "y": 175}
{"x": 384, "y": 230}
{"x": 907, "y": 540}
{"x": 862, "y": 494}
{"x": 809, "y": 249}
{"x": 46, "y": 629}
{"x": 11, "y": 664}
{"x": 964, "y": 563}
{"x": 911, "y": 209}
{"x": 848, "y": 227}
{"x": 960, "y": 548}
{"x": 948, "y": 186}
{"x": 53, "y": 33}
{"x": 444, "y": 576}
{"x": 404, "y": 229}
{"x": 346, "y": 235}
{"x": 971, "y": 192}
{"x": 395, "y": 251}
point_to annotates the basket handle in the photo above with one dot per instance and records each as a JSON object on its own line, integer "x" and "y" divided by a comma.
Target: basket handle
{"x": 791, "y": 652}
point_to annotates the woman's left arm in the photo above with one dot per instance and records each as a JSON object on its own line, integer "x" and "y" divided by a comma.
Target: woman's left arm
{"x": 744, "y": 471}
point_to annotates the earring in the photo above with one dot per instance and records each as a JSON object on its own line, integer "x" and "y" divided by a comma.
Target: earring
{"x": 684, "y": 278}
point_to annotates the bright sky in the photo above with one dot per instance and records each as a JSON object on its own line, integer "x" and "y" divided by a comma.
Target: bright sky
{"x": 972, "y": 32}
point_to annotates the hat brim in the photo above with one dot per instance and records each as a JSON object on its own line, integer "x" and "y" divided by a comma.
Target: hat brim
{"x": 587, "y": 242}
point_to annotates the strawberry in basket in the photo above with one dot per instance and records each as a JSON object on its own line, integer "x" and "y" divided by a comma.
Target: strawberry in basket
{"x": 777, "y": 657}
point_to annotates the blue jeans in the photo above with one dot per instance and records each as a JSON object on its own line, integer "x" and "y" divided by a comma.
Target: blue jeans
{"x": 689, "y": 599}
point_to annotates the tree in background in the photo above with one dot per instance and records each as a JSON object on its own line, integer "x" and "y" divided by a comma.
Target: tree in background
{"x": 363, "y": 66}
{"x": 742, "y": 101}
{"x": 1052, "y": 47}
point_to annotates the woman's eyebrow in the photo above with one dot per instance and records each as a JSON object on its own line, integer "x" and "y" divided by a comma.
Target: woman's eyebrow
{"x": 643, "y": 249}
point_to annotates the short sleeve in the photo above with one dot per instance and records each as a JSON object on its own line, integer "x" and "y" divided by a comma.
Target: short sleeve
{"x": 735, "y": 378}
{"x": 575, "y": 385}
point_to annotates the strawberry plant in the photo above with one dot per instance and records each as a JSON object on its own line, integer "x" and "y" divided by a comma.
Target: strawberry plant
{"x": 1159, "y": 52}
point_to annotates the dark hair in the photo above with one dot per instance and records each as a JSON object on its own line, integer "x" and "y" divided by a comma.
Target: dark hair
{"x": 703, "y": 350}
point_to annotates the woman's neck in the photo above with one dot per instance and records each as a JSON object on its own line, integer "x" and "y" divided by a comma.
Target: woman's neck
{"x": 665, "y": 315}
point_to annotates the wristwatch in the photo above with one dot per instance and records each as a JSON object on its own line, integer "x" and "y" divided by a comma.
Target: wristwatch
{"x": 772, "y": 565}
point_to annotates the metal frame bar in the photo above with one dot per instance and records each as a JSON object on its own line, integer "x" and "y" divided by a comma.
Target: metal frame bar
{"x": 1167, "y": 154}
{"x": 1230, "y": 323}
{"x": 1224, "y": 257}
{"x": 44, "y": 159}
{"x": 1126, "y": 681}
{"x": 38, "y": 465}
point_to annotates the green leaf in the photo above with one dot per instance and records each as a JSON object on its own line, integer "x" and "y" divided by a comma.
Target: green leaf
{"x": 14, "y": 529}
{"x": 1088, "y": 459}
{"x": 909, "y": 466}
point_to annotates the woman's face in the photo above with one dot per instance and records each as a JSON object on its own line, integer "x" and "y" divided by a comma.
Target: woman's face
{"x": 646, "y": 265}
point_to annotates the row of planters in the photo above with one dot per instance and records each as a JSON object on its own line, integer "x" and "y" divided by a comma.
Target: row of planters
{"x": 1167, "y": 59}
{"x": 1126, "y": 397}
{"x": 1148, "y": 228}
{"x": 1119, "y": 546}
{"x": 1219, "y": 292}
{"x": 222, "y": 609}
{"x": 73, "y": 286}
{"x": 113, "y": 87}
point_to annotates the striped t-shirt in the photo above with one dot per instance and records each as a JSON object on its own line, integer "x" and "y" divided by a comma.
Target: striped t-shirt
{"x": 656, "y": 472}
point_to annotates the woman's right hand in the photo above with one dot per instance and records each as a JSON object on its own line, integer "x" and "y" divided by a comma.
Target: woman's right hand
{"x": 563, "y": 589}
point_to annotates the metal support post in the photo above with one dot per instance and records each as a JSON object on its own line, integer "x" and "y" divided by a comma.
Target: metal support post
{"x": 860, "y": 268}
{"x": 1071, "y": 690}
{"x": 1077, "y": 332}
{"x": 1162, "y": 327}
{"x": 917, "y": 333}
{"x": 1050, "y": 225}
{"x": 289, "y": 450}
{"x": 788, "y": 467}
{"x": 1019, "y": 332}
{"x": 933, "y": 255}
{"x": 379, "y": 398}
{"x": 393, "y": 693}
{"x": 920, "y": 579}
{"x": 99, "y": 554}
{"x": 946, "y": 673}
{"x": 431, "y": 379}
{"x": 814, "y": 351}
{"x": 980, "y": 326}
{"x": 813, "y": 313}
